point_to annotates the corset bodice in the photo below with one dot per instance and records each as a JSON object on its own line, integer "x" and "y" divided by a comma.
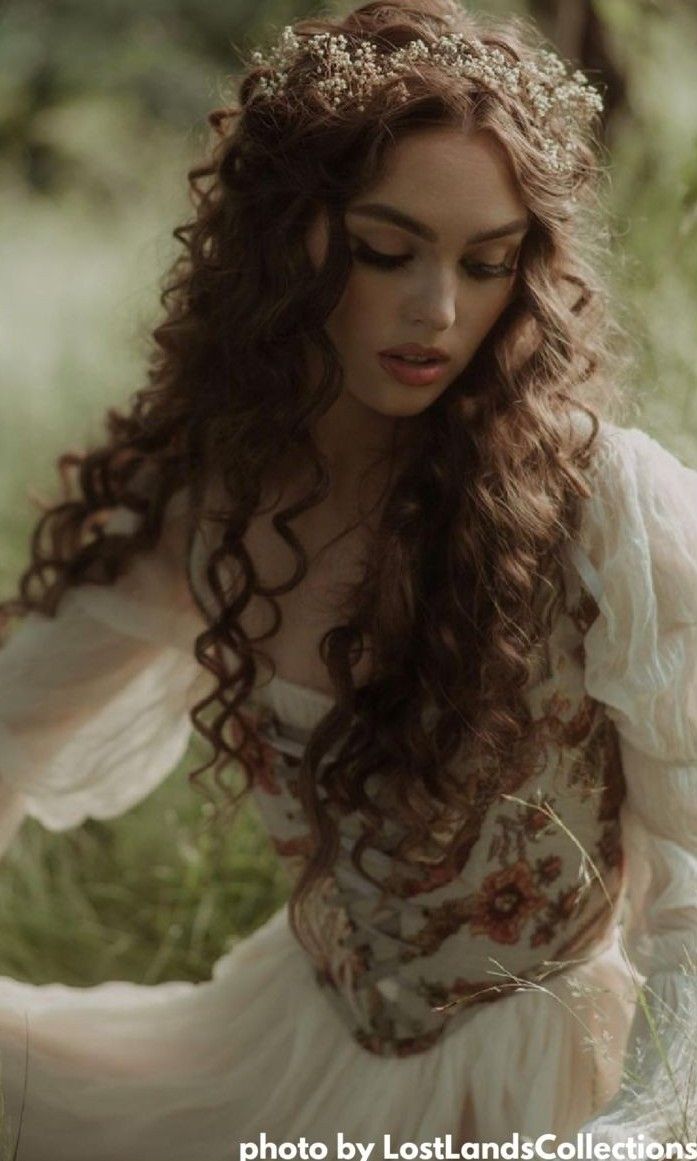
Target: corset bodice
{"x": 406, "y": 958}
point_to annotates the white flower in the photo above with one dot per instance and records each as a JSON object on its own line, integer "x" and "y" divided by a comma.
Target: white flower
{"x": 561, "y": 106}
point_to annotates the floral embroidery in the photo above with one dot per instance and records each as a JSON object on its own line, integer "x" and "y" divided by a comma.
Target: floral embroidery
{"x": 433, "y": 877}
{"x": 402, "y": 963}
{"x": 610, "y": 847}
{"x": 549, "y": 869}
{"x": 527, "y": 824}
{"x": 442, "y": 921}
{"x": 543, "y": 933}
{"x": 504, "y": 903}
{"x": 405, "y": 1047}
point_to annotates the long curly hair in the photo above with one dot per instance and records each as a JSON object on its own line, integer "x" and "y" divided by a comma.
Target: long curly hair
{"x": 458, "y": 596}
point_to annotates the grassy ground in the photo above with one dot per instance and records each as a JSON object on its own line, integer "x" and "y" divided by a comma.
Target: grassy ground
{"x": 134, "y": 899}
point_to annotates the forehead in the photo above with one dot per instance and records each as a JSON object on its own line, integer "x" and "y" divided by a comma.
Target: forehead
{"x": 446, "y": 175}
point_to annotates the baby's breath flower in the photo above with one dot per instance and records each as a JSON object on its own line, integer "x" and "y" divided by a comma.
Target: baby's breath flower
{"x": 349, "y": 73}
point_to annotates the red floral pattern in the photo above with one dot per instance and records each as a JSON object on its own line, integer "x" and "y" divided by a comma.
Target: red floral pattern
{"x": 504, "y": 902}
{"x": 401, "y": 965}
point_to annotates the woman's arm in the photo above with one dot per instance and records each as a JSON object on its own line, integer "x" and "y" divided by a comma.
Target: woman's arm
{"x": 640, "y": 533}
{"x": 94, "y": 702}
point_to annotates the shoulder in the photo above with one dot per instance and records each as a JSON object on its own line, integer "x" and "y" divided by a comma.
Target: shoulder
{"x": 640, "y": 521}
{"x": 611, "y": 438}
{"x": 632, "y": 469}
{"x": 628, "y": 459}
{"x": 612, "y": 447}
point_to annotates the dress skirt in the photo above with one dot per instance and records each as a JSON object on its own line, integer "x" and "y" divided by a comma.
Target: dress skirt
{"x": 183, "y": 1071}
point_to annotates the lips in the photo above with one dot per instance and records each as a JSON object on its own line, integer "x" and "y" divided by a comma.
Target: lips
{"x": 418, "y": 351}
{"x": 413, "y": 374}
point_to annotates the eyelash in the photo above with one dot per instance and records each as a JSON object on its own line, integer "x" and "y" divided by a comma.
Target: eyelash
{"x": 478, "y": 270}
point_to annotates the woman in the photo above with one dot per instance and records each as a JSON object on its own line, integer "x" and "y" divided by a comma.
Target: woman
{"x": 386, "y": 361}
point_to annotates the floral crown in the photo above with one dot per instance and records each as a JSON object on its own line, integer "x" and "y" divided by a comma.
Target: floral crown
{"x": 347, "y": 74}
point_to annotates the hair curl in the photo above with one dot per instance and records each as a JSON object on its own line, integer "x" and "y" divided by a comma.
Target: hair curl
{"x": 455, "y": 599}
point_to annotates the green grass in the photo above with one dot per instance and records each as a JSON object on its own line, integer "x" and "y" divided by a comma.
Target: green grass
{"x": 157, "y": 894}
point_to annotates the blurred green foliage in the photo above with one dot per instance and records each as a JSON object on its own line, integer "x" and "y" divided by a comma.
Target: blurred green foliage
{"x": 102, "y": 111}
{"x": 133, "y": 898}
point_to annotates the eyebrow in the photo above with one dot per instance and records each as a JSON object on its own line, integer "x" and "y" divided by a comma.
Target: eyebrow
{"x": 398, "y": 218}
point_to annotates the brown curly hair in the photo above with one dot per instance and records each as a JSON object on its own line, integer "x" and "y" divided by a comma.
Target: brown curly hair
{"x": 458, "y": 596}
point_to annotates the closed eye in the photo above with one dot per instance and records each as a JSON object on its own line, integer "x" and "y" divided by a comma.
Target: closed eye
{"x": 481, "y": 270}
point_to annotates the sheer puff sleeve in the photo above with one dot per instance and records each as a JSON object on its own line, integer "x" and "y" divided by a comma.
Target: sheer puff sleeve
{"x": 639, "y": 532}
{"x": 94, "y": 702}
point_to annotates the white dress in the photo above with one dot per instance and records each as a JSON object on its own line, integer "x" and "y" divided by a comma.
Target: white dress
{"x": 94, "y": 714}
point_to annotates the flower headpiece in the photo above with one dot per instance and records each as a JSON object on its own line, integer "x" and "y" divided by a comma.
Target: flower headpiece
{"x": 348, "y": 74}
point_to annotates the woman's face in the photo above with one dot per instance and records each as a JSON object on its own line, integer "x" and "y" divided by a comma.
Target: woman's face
{"x": 428, "y": 278}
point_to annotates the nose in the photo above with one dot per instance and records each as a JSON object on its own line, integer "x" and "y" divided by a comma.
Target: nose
{"x": 433, "y": 303}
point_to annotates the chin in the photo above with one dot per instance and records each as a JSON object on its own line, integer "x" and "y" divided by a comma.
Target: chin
{"x": 393, "y": 393}
{"x": 405, "y": 402}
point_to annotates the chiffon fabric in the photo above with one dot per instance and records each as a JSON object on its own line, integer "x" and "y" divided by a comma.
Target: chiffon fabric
{"x": 94, "y": 713}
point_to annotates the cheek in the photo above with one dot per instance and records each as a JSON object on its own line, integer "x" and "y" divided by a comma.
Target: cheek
{"x": 488, "y": 307}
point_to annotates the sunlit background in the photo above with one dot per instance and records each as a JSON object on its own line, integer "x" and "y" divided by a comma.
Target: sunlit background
{"x": 102, "y": 112}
